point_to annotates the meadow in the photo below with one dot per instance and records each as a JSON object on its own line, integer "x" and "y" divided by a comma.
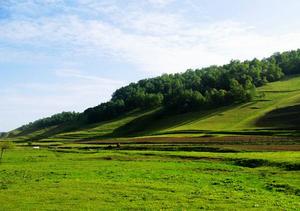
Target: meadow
{"x": 44, "y": 179}
{"x": 244, "y": 156}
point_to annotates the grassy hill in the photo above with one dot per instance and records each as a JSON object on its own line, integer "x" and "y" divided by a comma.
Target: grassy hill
{"x": 273, "y": 111}
{"x": 279, "y": 95}
{"x": 258, "y": 116}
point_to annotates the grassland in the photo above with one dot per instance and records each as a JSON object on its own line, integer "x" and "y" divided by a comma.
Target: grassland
{"x": 240, "y": 157}
{"x": 151, "y": 180}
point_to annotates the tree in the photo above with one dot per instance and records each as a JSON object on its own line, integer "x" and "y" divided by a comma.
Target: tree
{"x": 4, "y": 145}
{"x": 216, "y": 98}
{"x": 184, "y": 101}
{"x": 151, "y": 100}
{"x": 237, "y": 92}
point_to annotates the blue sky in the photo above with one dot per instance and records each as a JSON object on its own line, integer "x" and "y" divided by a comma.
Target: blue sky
{"x": 67, "y": 55}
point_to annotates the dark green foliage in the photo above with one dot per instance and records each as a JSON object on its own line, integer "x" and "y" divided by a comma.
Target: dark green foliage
{"x": 184, "y": 100}
{"x": 55, "y": 119}
{"x": 105, "y": 111}
{"x": 3, "y": 134}
{"x": 151, "y": 100}
{"x": 216, "y": 97}
{"x": 240, "y": 93}
{"x": 289, "y": 61}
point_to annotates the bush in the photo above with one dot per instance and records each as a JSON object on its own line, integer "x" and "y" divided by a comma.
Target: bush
{"x": 5, "y": 145}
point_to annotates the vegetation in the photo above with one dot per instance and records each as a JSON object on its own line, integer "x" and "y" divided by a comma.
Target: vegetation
{"x": 113, "y": 180}
{"x": 55, "y": 119}
{"x": 3, "y": 134}
{"x": 4, "y": 145}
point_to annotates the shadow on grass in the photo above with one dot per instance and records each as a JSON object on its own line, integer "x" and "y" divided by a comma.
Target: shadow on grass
{"x": 77, "y": 125}
{"x": 254, "y": 163}
{"x": 152, "y": 123}
{"x": 281, "y": 118}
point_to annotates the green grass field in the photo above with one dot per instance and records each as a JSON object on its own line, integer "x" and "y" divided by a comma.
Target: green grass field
{"x": 148, "y": 180}
{"x": 240, "y": 157}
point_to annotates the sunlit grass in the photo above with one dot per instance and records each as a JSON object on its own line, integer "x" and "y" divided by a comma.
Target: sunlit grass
{"x": 109, "y": 180}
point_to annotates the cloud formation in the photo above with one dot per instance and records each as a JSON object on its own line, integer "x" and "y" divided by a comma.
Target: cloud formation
{"x": 153, "y": 41}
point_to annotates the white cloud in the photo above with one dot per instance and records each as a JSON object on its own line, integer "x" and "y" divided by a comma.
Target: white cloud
{"x": 160, "y": 2}
{"x": 153, "y": 42}
{"x": 78, "y": 74}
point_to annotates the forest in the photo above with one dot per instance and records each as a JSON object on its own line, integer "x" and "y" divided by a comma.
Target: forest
{"x": 55, "y": 119}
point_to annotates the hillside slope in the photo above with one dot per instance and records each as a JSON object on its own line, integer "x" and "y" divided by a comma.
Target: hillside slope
{"x": 275, "y": 110}
{"x": 276, "y": 95}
